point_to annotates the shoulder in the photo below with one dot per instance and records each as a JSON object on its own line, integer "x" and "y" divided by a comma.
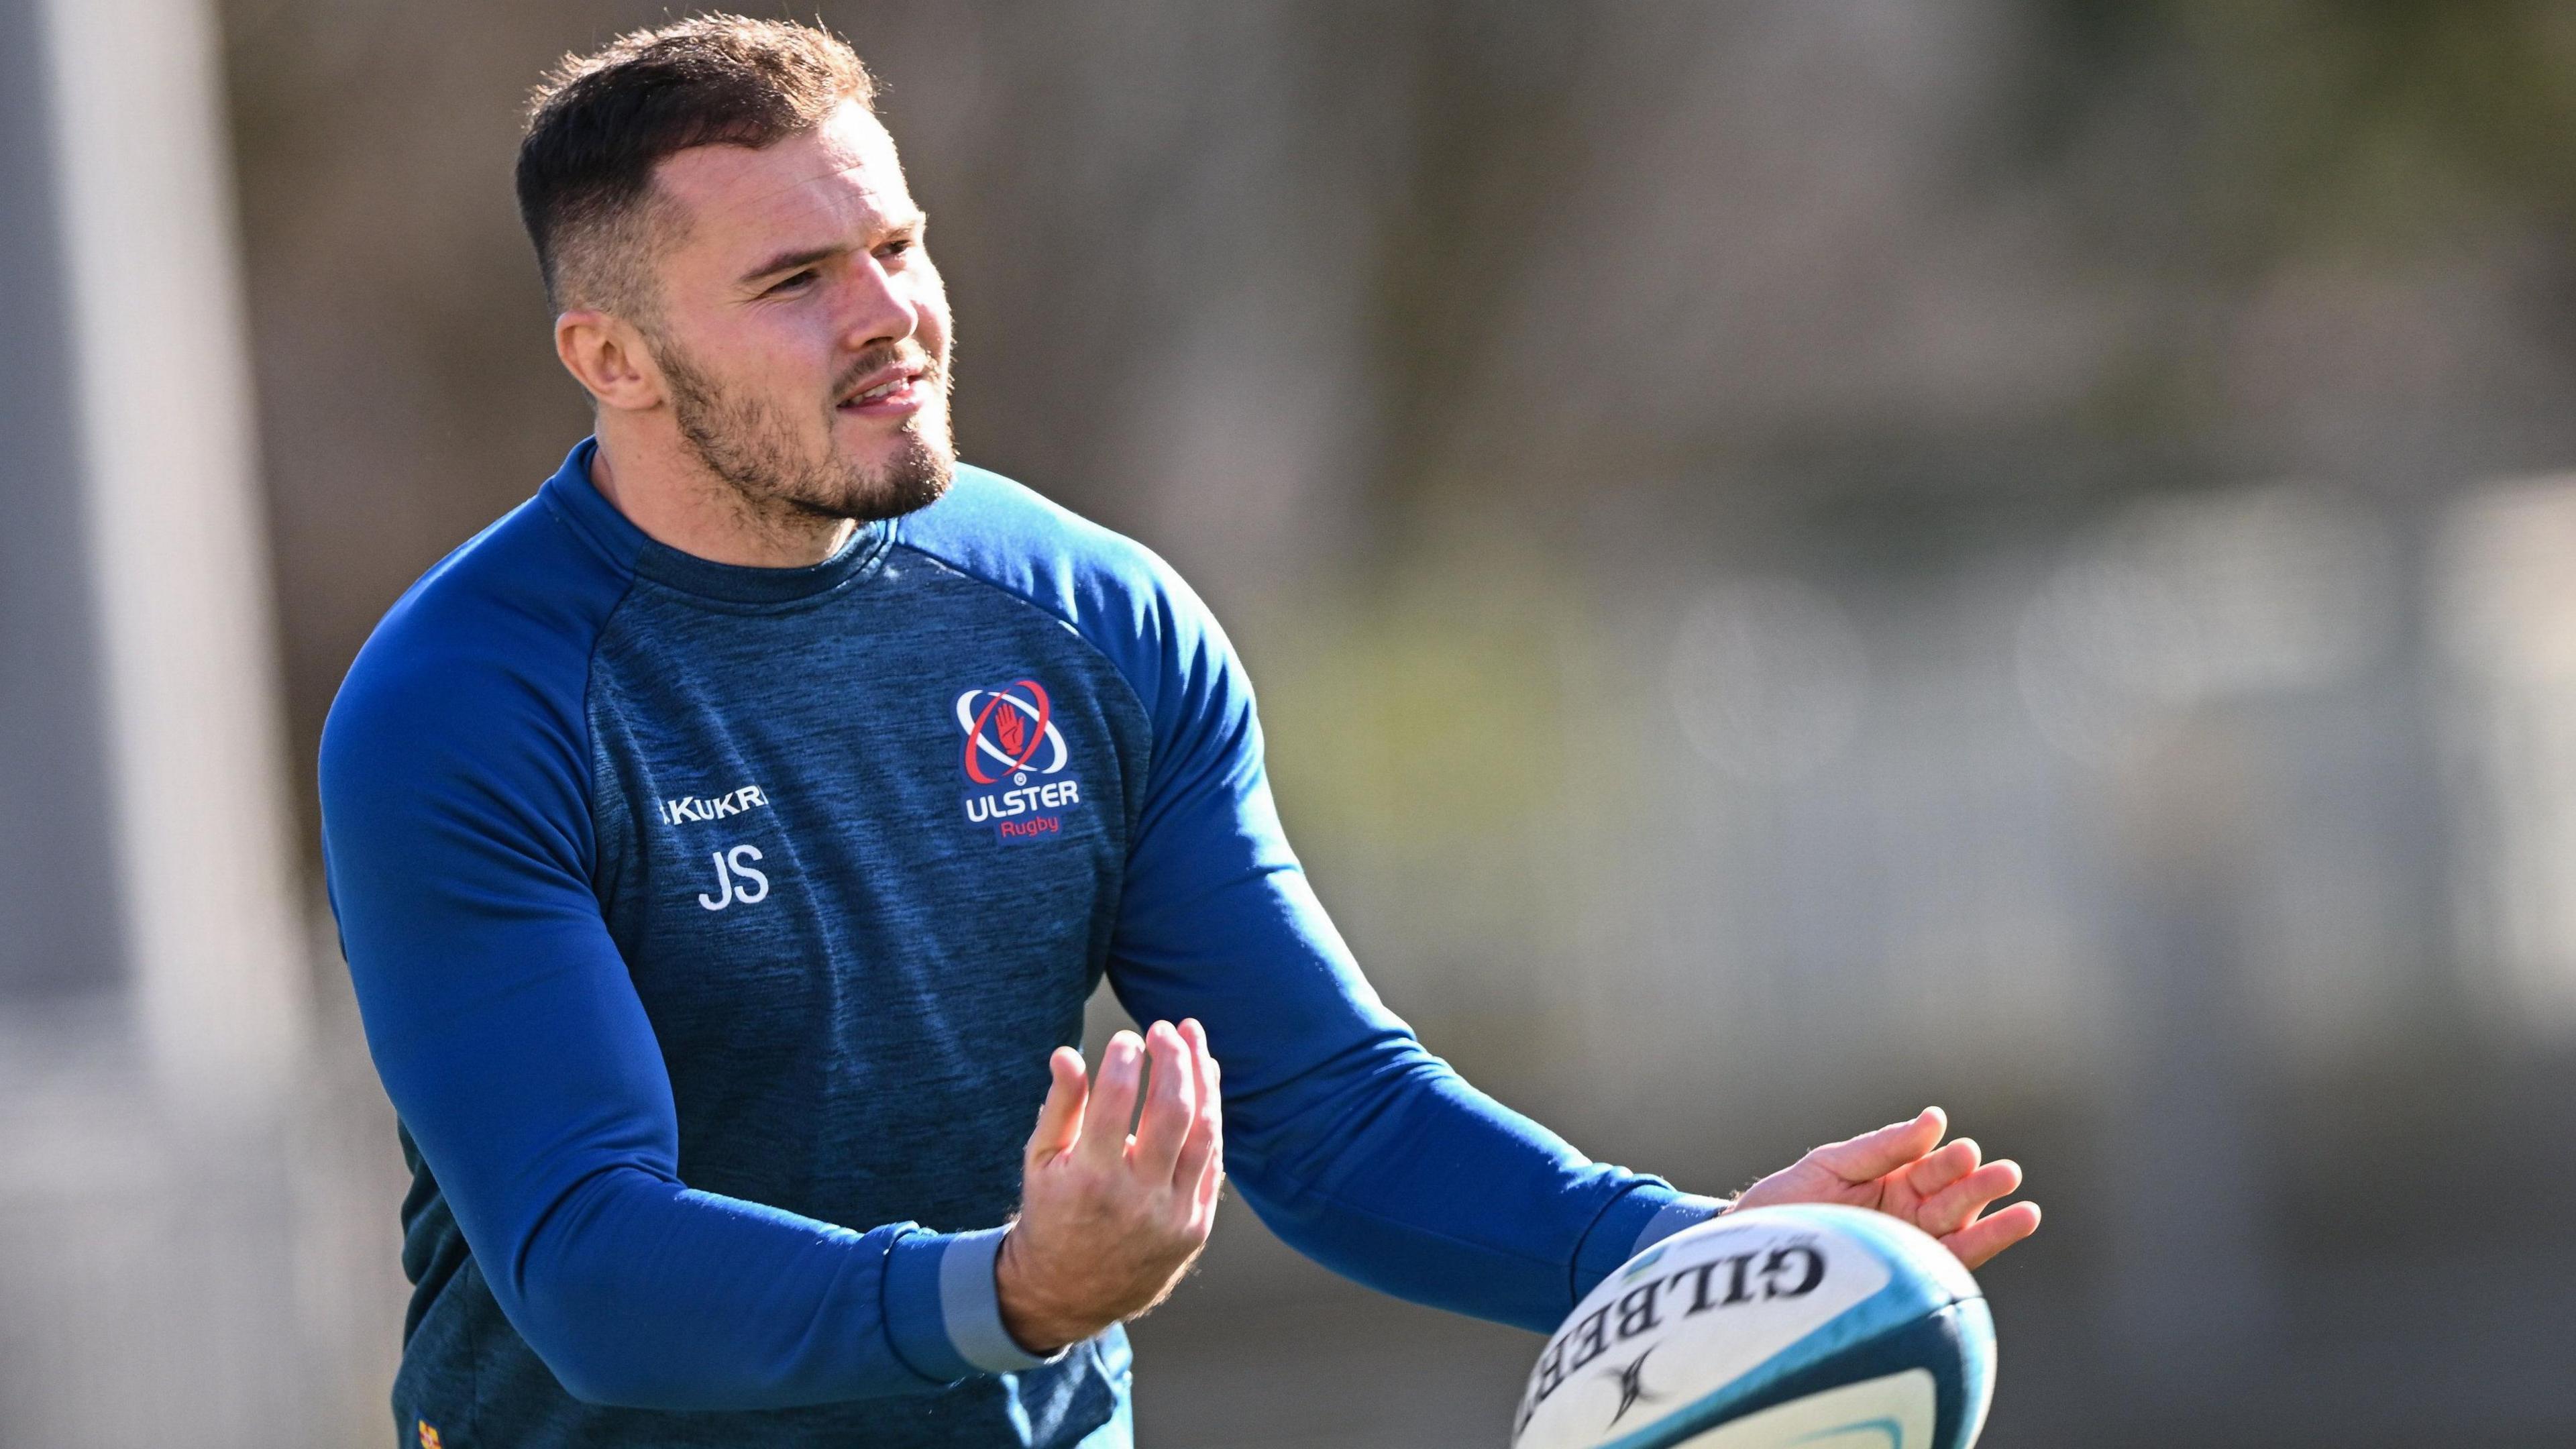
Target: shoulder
{"x": 487, "y": 655}
{"x": 1113, "y": 591}
{"x": 1006, "y": 534}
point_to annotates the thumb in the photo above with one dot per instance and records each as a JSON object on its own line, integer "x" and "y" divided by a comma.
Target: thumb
{"x": 1060, "y": 1116}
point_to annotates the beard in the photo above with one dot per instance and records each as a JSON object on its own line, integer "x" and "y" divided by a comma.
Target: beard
{"x": 753, "y": 444}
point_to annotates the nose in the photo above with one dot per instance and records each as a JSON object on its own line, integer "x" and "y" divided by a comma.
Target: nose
{"x": 882, "y": 307}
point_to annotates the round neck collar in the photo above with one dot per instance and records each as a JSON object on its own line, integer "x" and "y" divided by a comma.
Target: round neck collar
{"x": 572, "y": 490}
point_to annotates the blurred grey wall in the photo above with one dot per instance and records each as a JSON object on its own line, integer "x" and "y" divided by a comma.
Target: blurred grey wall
{"x": 156, "y": 1071}
{"x": 63, "y": 926}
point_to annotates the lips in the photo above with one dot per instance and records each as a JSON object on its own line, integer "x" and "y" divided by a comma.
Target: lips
{"x": 891, "y": 389}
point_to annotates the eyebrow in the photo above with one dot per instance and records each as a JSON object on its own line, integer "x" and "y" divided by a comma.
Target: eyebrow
{"x": 790, "y": 261}
{"x": 808, "y": 256}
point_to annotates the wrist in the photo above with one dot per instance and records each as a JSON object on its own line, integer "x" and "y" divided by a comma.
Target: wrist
{"x": 1035, "y": 1319}
{"x": 943, "y": 1313}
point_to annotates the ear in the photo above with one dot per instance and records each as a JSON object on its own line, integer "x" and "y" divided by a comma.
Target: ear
{"x": 606, "y": 354}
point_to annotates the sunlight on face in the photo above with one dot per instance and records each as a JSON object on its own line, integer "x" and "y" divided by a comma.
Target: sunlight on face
{"x": 803, "y": 331}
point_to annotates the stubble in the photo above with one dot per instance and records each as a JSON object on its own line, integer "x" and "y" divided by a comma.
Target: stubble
{"x": 755, "y": 448}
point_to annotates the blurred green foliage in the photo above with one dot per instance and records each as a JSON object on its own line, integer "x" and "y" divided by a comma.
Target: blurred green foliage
{"x": 1448, "y": 749}
{"x": 2313, "y": 126}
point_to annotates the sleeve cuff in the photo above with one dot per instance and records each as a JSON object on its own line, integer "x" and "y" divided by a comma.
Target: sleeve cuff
{"x": 1641, "y": 1217}
{"x": 1686, "y": 1210}
{"x": 943, "y": 1310}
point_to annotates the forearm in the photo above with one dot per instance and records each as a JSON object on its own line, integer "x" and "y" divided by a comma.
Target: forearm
{"x": 1390, "y": 1168}
{"x": 639, "y": 1292}
{"x": 1360, "y": 1148}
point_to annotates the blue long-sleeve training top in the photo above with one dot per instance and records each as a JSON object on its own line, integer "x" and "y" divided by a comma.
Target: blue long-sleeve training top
{"x": 711, "y": 927}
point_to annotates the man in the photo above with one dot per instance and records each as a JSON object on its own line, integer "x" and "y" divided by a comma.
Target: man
{"x": 725, "y": 842}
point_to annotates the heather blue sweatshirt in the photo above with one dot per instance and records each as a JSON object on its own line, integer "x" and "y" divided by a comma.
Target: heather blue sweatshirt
{"x": 712, "y": 925}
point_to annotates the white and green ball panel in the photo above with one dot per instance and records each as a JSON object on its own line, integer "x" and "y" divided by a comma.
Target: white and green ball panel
{"x": 1924, "y": 1386}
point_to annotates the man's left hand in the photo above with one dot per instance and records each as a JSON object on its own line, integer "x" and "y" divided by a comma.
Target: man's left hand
{"x": 1902, "y": 1171}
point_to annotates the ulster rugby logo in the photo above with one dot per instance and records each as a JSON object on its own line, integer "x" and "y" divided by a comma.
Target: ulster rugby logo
{"x": 1014, "y": 760}
{"x": 1009, "y": 730}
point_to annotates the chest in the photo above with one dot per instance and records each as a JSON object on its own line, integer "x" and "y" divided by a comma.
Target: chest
{"x": 872, "y": 808}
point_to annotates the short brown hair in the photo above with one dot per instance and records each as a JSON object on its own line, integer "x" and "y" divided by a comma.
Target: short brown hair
{"x": 599, "y": 123}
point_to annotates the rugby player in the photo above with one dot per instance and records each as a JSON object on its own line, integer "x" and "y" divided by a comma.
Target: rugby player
{"x": 724, "y": 844}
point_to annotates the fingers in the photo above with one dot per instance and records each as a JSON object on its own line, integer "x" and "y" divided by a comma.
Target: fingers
{"x": 1060, "y": 1116}
{"x": 1201, "y": 1168}
{"x": 1113, "y": 1102}
{"x": 1987, "y": 1236}
{"x": 1171, "y": 1101}
{"x": 1113, "y": 1221}
{"x": 1943, "y": 1167}
{"x": 1873, "y": 1155}
{"x": 1954, "y": 1207}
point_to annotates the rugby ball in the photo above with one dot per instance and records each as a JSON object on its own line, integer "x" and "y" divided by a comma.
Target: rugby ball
{"x": 1815, "y": 1326}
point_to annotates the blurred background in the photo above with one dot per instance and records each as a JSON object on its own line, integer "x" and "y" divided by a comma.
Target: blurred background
{"x": 1803, "y": 557}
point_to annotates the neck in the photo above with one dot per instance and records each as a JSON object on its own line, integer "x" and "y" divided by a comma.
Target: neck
{"x": 680, "y": 503}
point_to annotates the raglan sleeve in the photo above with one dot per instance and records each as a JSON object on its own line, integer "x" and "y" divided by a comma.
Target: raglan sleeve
{"x": 1350, "y": 1140}
{"x": 510, "y": 1038}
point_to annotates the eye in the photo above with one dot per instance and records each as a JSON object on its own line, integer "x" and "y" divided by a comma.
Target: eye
{"x": 793, "y": 281}
{"x": 898, "y": 247}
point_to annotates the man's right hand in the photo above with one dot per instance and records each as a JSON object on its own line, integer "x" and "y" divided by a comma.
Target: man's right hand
{"x": 1109, "y": 1222}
